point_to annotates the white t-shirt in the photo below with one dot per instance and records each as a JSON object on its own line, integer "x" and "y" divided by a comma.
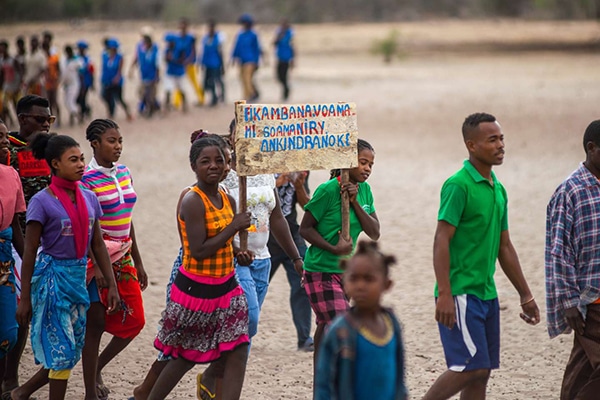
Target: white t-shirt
{"x": 260, "y": 202}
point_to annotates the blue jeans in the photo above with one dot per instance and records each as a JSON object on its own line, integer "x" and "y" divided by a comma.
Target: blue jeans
{"x": 254, "y": 279}
{"x": 299, "y": 304}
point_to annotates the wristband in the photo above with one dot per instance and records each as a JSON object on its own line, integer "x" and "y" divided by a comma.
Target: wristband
{"x": 528, "y": 301}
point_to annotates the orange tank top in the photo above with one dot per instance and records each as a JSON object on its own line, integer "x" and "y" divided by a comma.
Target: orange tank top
{"x": 221, "y": 263}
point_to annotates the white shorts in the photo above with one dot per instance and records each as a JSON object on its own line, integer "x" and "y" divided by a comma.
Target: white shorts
{"x": 181, "y": 83}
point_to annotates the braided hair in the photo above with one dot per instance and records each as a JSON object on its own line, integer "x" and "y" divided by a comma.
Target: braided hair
{"x": 97, "y": 127}
{"x": 371, "y": 248}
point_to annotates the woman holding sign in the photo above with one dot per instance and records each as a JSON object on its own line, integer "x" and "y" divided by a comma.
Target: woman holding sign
{"x": 254, "y": 265}
{"x": 321, "y": 226}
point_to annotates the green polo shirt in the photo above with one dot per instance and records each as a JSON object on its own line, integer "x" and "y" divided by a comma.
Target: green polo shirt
{"x": 326, "y": 207}
{"x": 478, "y": 210}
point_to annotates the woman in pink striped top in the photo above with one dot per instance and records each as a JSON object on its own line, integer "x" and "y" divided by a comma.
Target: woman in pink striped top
{"x": 112, "y": 184}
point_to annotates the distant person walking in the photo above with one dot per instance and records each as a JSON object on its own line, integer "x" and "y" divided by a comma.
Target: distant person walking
{"x": 284, "y": 49}
{"x": 112, "y": 78}
{"x": 186, "y": 42}
{"x": 147, "y": 59}
{"x": 86, "y": 80}
{"x": 213, "y": 64}
{"x": 52, "y": 79}
{"x": 35, "y": 67}
{"x": 247, "y": 53}
{"x": 71, "y": 83}
{"x": 573, "y": 270}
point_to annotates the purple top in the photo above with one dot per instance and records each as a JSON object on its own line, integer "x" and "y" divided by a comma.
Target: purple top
{"x": 57, "y": 232}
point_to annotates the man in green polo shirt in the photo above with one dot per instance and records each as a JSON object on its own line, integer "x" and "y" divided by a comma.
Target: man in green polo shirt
{"x": 472, "y": 232}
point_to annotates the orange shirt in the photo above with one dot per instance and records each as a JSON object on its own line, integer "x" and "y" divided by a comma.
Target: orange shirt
{"x": 221, "y": 263}
{"x": 52, "y": 73}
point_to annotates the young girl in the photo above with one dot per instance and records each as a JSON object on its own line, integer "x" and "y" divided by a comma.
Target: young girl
{"x": 254, "y": 266}
{"x": 112, "y": 184}
{"x": 362, "y": 356}
{"x": 206, "y": 319}
{"x": 142, "y": 390}
{"x": 65, "y": 219}
{"x": 321, "y": 226}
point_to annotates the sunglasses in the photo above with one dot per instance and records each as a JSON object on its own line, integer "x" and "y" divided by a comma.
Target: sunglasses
{"x": 40, "y": 119}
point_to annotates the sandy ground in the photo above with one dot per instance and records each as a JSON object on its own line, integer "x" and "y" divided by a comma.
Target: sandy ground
{"x": 411, "y": 111}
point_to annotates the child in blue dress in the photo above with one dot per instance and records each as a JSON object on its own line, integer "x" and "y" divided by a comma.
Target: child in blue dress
{"x": 362, "y": 356}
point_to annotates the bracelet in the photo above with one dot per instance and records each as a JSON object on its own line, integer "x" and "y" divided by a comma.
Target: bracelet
{"x": 528, "y": 301}
{"x": 296, "y": 259}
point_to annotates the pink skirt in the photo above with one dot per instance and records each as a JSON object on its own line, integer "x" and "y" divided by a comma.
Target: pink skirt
{"x": 204, "y": 318}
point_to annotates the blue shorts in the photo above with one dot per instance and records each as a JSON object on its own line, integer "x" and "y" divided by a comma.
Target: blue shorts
{"x": 474, "y": 341}
{"x": 93, "y": 292}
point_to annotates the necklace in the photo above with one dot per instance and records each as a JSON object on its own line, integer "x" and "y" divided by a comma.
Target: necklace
{"x": 377, "y": 340}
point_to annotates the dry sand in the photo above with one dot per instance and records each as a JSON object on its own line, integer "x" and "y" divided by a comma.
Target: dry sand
{"x": 411, "y": 111}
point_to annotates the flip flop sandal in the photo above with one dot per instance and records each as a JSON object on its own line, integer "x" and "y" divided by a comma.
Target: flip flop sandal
{"x": 201, "y": 389}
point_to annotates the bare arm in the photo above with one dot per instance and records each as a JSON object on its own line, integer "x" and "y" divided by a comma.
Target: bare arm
{"x": 368, "y": 222}
{"x": 102, "y": 259}
{"x": 309, "y": 232}
{"x": 302, "y": 196}
{"x": 137, "y": 261}
{"x": 444, "y": 308}
{"x": 32, "y": 242}
{"x": 281, "y": 231}
{"x": 509, "y": 261}
{"x": 192, "y": 211}
{"x": 17, "y": 237}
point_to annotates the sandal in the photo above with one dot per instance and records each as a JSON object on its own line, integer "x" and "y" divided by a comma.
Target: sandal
{"x": 202, "y": 391}
{"x": 102, "y": 391}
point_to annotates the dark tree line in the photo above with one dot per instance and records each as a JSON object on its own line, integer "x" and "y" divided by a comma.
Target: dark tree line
{"x": 297, "y": 10}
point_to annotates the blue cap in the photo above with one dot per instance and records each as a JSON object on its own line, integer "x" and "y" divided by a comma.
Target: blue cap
{"x": 82, "y": 44}
{"x": 246, "y": 19}
{"x": 112, "y": 43}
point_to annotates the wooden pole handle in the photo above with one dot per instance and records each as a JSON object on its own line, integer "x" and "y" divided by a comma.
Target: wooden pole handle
{"x": 345, "y": 207}
{"x": 242, "y": 198}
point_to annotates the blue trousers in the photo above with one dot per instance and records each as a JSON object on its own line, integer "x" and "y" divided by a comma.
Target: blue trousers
{"x": 254, "y": 279}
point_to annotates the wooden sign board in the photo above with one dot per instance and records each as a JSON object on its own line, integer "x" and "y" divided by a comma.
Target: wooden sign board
{"x": 272, "y": 138}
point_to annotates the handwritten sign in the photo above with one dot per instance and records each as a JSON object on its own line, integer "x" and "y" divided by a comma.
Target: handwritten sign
{"x": 293, "y": 137}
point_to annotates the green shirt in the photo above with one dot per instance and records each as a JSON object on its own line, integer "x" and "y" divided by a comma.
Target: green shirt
{"x": 326, "y": 207}
{"x": 478, "y": 211}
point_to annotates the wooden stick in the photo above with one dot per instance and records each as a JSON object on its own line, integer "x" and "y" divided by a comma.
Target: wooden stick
{"x": 242, "y": 198}
{"x": 345, "y": 206}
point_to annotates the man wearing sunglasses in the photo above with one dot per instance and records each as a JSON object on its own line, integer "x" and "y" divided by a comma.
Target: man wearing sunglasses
{"x": 33, "y": 113}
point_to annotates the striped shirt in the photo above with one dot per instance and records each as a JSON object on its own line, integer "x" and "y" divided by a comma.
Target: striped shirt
{"x": 572, "y": 257}
{"x": 221, "y": 263}
{"x": 114, "y": 189}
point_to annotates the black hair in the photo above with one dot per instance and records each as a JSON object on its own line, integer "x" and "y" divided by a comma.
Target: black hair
{"x": 26, "y": 103}
{"x": 371, "y": 248}
{"x": 51, "y": 146}
{"x": 232, "y": 125}
{"x": 202, "y": 143}
{"x": 97, "y": 127}
{"x": 361, "y": 145}
{"x": 4, "y": 43}
{"x": 592, "y": 134}
{"x": 473, "y": 121}
{"x": 20, "y": 40}
{"x": 69, "y": 51}
{"x": 200, "y": 133}
{"x": 47, "y": 35}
